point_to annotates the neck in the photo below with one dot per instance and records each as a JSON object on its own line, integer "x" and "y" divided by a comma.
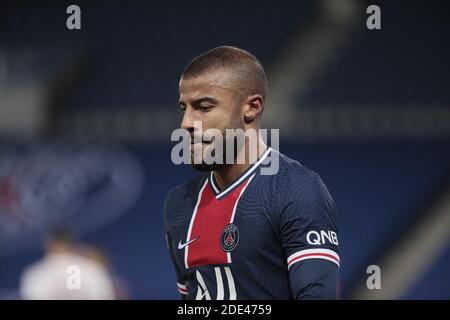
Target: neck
{"x": 226, "y": 175}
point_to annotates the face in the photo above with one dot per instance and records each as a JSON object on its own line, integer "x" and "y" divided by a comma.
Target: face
{"x": 209, "y": 101}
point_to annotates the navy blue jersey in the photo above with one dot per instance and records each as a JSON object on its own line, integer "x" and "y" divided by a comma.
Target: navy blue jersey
{"x": 263, "y": 237}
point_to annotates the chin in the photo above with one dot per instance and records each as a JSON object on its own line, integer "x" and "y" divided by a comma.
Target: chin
{"x": 203, "y": 167}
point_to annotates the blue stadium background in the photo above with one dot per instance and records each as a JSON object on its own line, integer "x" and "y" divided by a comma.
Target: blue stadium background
{"x": 128, "y": 57}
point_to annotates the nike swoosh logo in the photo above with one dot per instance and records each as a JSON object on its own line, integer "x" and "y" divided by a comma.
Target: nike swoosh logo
{"x": 184, "y": 245}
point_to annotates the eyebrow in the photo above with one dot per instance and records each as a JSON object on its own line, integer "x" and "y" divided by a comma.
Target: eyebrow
{"x": 200, "y": 100}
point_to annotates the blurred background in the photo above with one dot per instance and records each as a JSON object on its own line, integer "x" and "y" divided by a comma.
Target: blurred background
{"x": 86, "y": 117}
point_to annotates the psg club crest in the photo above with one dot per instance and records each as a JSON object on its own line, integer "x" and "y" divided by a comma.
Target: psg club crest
{"x": 230, "y": 237}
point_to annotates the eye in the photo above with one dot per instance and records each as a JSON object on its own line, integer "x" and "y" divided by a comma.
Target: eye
{"x": 205, "y": 108}
{"x": 182, "y": 108}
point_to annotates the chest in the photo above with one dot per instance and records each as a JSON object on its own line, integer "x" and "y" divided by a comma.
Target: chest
{"x": 223, "y": 231}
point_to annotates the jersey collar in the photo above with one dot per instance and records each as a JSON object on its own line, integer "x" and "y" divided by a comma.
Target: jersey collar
{"x": 243, "y": 177}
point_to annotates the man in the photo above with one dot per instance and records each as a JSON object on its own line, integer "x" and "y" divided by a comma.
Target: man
{"x": 233, "y": 232}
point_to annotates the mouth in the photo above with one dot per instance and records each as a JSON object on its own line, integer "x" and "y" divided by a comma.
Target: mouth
{"x": 199, "y": 142}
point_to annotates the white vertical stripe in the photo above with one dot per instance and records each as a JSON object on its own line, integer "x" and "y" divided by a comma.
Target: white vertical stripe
{"x": 220, "y": 291}
{"x": 202, "y": 291}
{"x": 231, "y": 286}
{"x": 192, "y": 223}
{"x": 213, "y": 183}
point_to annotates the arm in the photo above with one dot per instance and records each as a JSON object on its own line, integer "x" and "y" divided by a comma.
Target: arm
{"x": 309, "y": 238}
{"x": 181, "y": 286}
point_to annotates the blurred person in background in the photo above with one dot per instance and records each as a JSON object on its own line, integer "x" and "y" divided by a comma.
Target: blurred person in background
{"x": 54, "y": 277}
{"x": 99, "y": 256}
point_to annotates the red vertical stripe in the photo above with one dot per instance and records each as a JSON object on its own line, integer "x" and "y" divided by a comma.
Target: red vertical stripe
{"x": 213, "y": 215}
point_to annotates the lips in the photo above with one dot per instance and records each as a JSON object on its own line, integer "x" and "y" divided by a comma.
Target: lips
{"x": 199, "y": 141}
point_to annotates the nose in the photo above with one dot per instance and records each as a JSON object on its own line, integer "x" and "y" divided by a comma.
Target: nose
{"x": 188, "y": 120}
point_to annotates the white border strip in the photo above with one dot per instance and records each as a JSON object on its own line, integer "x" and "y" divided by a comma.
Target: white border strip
{"x": 255, "y": 165}
{"x": 306, "y": 254}
{"x": 192, "y": 223}
{"x": 182, "y": 288}
{"x": 213, "y": 183}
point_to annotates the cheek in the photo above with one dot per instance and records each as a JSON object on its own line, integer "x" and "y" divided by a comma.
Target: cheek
{"x": 223, "y": 117}
{"x": 215, "y": 119}
{"x": 233, "y": 120}
{"x": 197, "y": 154}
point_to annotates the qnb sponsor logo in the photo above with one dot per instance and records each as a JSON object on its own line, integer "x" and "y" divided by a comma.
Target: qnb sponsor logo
{"x": 224, "y": 147}
{"x": 322, "y": 237}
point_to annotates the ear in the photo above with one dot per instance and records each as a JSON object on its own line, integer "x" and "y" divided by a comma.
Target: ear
{"x": 254, "y": 106}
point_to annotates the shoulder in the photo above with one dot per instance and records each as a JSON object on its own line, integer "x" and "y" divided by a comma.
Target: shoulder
{"x": 183, "y": 195}
{"x": 186, "y": 189}
{"x": 301, "y": 187}
{"x": 295, "y": 176}
{"x": 33, "y": 271}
